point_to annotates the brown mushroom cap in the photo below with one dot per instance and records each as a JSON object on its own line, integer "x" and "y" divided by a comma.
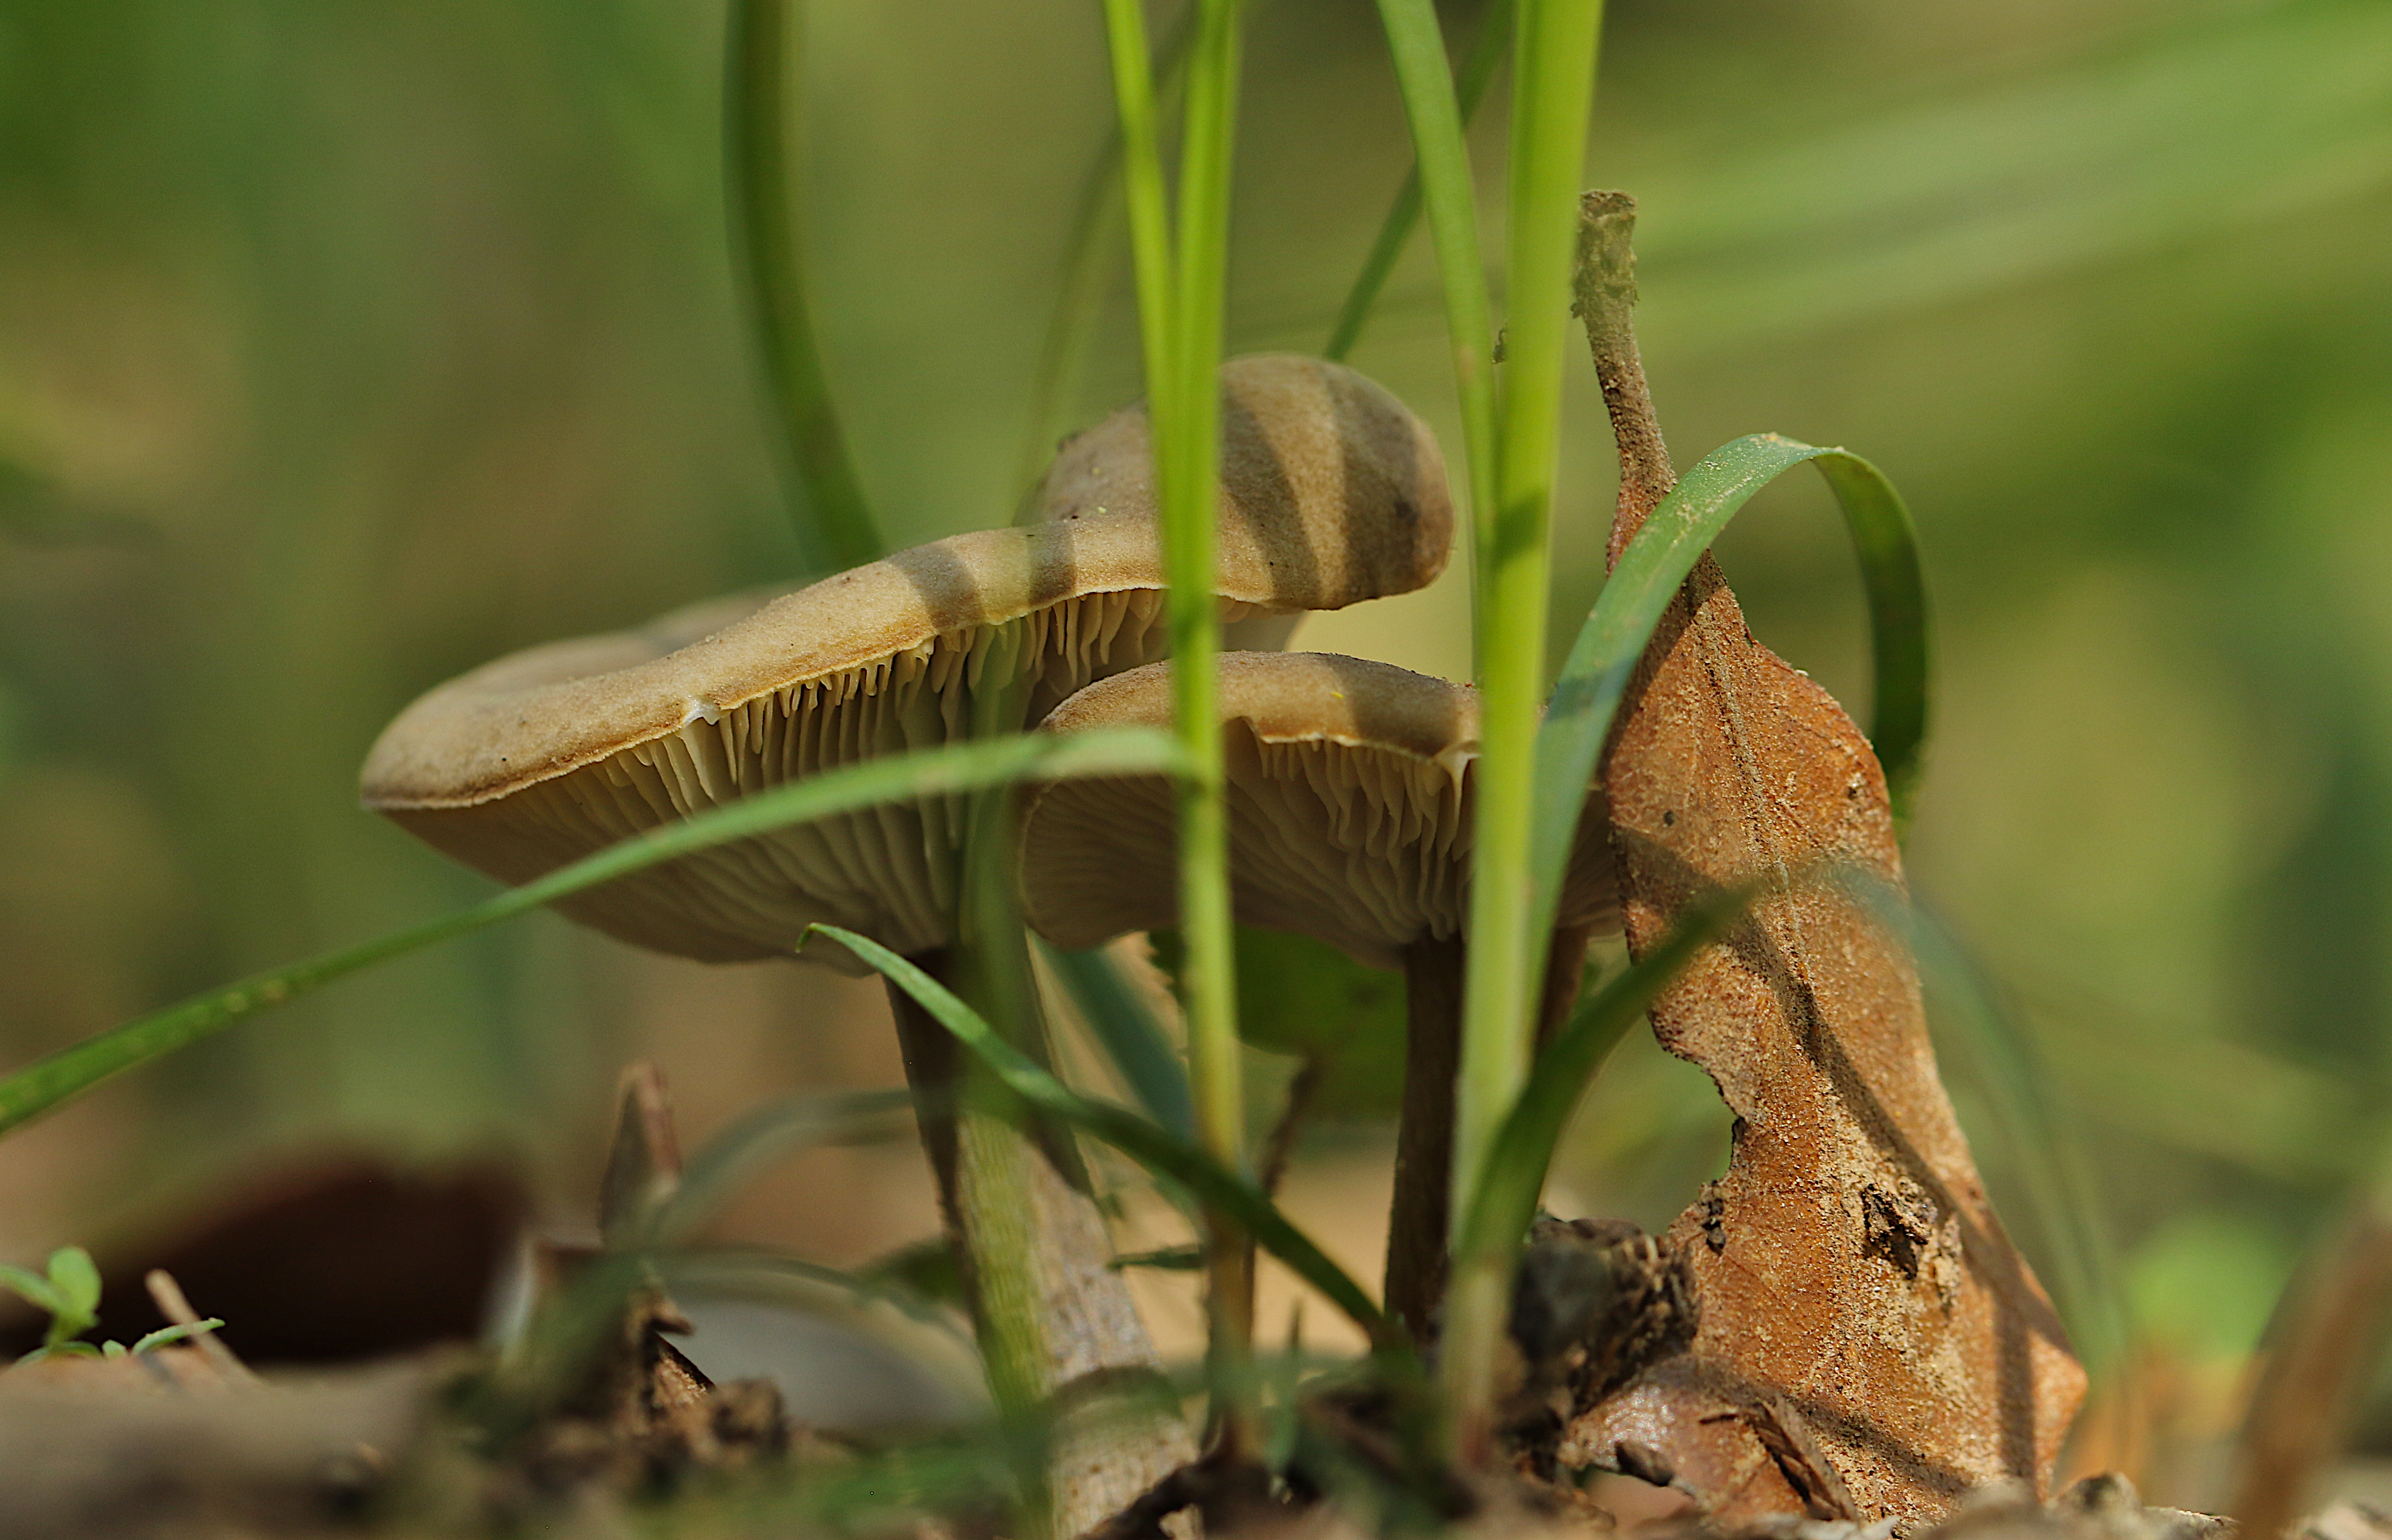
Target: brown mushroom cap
{"x": 539, "y": 759}
{"x": 1349, "y": 789}
{"x": 1296, "y": 431}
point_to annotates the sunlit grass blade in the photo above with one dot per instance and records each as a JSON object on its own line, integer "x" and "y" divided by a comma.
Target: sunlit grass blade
{"x": 1552, "y": 95}
{"x": 1130, "y": 1033}
{"x": 1441, "y": 171}
{"x": 1213, "y": 1183}
{"x": 1402, "y": 17}
{"x": 772, "y": 1132}
{"x": 1586, "y": 696}
{"x": 1499, "y": 1210}
{"x": 1142, "y": 191}
{"x": 50, "y": 1082}
{"x": 165, "y": 1336}
{"x": 1181, "y": 294}
{"x": 1186, "y": 436}
{"x": 763, "y": 113}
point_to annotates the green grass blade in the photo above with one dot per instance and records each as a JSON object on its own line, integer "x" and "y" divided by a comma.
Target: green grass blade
{"x": 1506, "y": 1199}
{"x": 1149, "y": 215}
{"x": 168, "y": 1335}
{"x": 1182, "y": 293}
{"x": 1131, "y": 1034}
{"x": 1887, "y": 544}
{"x": 50, "y": 1082}
{"x": 1214, "y": 1182}
{"x": 1441, "y": 158}
{"x": 1552, "y": 95}
{"x": 1584, "y": 700}
{"x": 1187, "y": 434}
{"x": 1468, "y": 89}
{"x": 763, "y": 110}
{"x": 774, "y": 1131}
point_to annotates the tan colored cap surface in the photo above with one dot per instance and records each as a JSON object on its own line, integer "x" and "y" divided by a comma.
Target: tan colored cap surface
{"x": 1299, "y": 432}
{"x": 1349, "y": 791}
{"x": 539, "y": 759}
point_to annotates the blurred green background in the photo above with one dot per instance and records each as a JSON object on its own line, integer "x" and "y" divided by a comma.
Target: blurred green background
{"x": 343, "y": 346}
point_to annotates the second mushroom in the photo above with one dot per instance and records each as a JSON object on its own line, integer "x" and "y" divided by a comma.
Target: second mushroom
{"x": 1349, "y": 791}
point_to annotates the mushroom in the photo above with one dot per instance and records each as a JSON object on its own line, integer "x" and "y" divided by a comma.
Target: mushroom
{"x": 1349, "y": 788}
{"x": 1333, "y": 492}
{"x": 1294, "y": 430}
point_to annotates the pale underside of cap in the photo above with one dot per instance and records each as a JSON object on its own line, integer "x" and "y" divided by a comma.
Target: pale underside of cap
{"x": 542, "y": 758}
{"x": 1349, "y": 797}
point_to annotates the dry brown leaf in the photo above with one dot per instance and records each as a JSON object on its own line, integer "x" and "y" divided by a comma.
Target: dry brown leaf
{"x": 1871, "y": 1344}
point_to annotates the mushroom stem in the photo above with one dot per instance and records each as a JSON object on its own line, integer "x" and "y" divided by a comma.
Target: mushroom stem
{"x": 1058, "y": 1324}
{"x": 1421, "y": 1213}
{"x": 1418, "y": 1217}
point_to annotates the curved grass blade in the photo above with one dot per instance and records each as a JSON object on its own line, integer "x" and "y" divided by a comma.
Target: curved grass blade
{"x": 1143, "y": 1141}
{"x": 1142, "y": 190}
{"x": 1467, "y": 89}
{"x": 1441, "y": 173}
{"x": 763, "y": 108}
{"x": 1523, "y": 1151}
{"x": 1187, "y": 447}
{"x": 51, "y": 1082}
{"x": 1128, "y": 1029}
{"x": 1584, "y": 700}
{"x": 168, "y": 1335}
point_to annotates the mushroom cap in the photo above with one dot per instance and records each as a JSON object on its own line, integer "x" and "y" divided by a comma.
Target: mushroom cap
{"x": 1298, "y": 432}
{"x": 535, "y": 761}
{"x": 1349, "y": 789}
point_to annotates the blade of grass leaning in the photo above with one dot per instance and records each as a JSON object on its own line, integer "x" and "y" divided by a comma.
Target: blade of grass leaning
{"x": 1142, "y": 193}
{"x": 51, "y": 1082}
{"x": 1218, "y": 1185}
{"x": 763, "y": 112}
{"x": 1500, "y": 1211}
{"x": 1187, "y": 436}
{"x": 1129, "y": 1032}
{"x": 1552, "y": 95}
{"x": 1468, "y": 88}
{"x": 1180, "y": 296}
{"x": 1441, "y": 161}
{"x": 1577, "y": 716}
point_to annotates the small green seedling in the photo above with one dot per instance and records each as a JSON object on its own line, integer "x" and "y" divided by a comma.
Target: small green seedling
{"x": 70, "y": 1293}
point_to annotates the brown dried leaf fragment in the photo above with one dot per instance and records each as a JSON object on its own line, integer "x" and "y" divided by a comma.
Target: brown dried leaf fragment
{"x": 1869, "y": 1340}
